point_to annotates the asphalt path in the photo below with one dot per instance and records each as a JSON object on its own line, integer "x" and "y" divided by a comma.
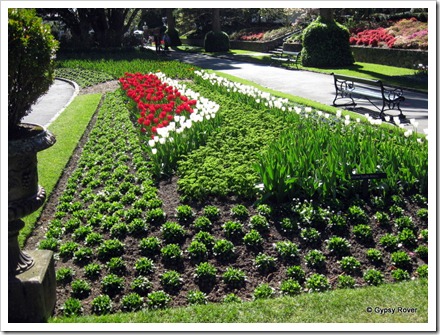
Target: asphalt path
{"x": 311, "y": 85}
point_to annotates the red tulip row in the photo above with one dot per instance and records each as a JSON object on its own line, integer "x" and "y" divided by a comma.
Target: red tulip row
{"x": 157, "y": 102}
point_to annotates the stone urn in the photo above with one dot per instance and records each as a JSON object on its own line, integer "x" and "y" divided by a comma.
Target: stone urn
{"x": 28, "y": 278}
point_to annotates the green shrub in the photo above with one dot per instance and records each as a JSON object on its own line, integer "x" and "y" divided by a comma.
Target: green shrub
{"x": 205, "y": 238}
{"x": 317, "y": 283}
{"x": 150, "y": 246}
{"x": 373, "y": 277}
{"x": 211, "y": 212}
{"x": 112, "y": 284}
{"x": 346, "y": 281}
{"x": 234, "y": 278}
{"x": 240, "y": 212}
{"x": 350, "y": 264}
{"x": 171, "y": 253}
{"x": 356, "y": 215}
{"x": 424, "y": 235}
{"x": 196, "y": 297}
{"x": 184, "y": 213}
{"x": 101, "y": 305}
{"x": 231, "y": 298}
{"x": 92, "y": 270}
{"x": 216, "y": 41}
{"x": 422, "y": 213}
{"x": 155, "y": 216}
{"x": 288, "y": 226}
{"x": 404, "y": 222}
{"x": 72, "y": 307}
{"x": 263, "y": 291}
{"x": 310, "y": 235}
{"x": 202, "y": 223}
{"x": 422, "y": 252}
{"x": 110, "y": 248}
{"x": 80, "y": 289}
{"x": 81, "y": 232}
{"x": 382, "y": 218}
{"x": 93, "y": 239}
{"x": 64, "y": 275}
{"x": 158, "y": 300}
{"x": 67, "y": 249}
{"x": 28, "y": 40}
{"x": 253, "y": 239}
{"x": 224, "y": 250}
{"x": 50, "y": 243}
{"x": 338, "y": 246}
{"x": 265, "y": 263}
{"x": 144, "y": 266}
{"x": 315, "y": 259}
{"x": 259, "y": 222}
{"x": 363, "y": 233}
{"x": 422, "y": 271}
{"x": 264, "y": 209}
{"x": 205, "y": 272}
{"x": 137, "y": 227}
{"x": 290, "y": 287}
{"x": 83, "y": 255}
{"x": 295, "y": 272}
{"x": 171, "y": 280}
{"x": 141, "y": 285}
{"x": 233, "y": 229}
{"x": 374, "y": 255}
{"x": 173, "y": 232}
{"x": 197, "y": 251}
{"x": 131, "y": 302}
{"x": 288, "y": 251}
{"x": 407, "y": 237}
{"x": 401, "y": 259}
{"x": 400, "y": 275}
{"x": 389, "y": 242}
{"x": 326, "y": 44}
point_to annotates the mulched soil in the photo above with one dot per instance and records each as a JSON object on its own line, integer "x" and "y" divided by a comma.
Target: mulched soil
{"x": 245, "y": 257}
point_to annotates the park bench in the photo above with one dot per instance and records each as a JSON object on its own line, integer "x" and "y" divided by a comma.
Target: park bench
{"x": 286, "y": 56}
{"x": 352, "y": 87}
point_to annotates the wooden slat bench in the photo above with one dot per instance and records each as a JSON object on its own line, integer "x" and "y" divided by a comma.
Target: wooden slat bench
{"x": 286, "y": 56}
{"x": 352, "y": 87}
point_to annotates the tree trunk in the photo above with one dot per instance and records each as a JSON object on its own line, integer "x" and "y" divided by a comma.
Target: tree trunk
{"x": 216, "y": 27}
{"x": 326, "y": 14}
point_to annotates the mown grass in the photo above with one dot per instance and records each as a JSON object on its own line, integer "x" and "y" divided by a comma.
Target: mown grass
{"x": 68, "y": 129}
{"x": 337, "y": 306}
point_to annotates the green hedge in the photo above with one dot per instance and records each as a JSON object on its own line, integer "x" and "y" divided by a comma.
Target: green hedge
{"x": 216, "y": 41}
{"x": 326, "y": 44}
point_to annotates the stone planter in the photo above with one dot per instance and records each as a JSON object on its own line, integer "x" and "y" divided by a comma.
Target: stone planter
{"x": 31, "y": 282}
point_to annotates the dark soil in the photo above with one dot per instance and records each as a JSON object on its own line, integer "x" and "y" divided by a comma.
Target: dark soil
{"x": 244, "y": 259}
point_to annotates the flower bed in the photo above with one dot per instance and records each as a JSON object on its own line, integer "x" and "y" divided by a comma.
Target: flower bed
{"x": 125, "y": 240}
{"x": 404, "y": 34}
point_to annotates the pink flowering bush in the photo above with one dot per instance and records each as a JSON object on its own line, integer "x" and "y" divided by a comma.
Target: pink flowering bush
{"x": 404, "y": 34}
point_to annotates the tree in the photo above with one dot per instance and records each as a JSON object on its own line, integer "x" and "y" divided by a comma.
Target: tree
{"x": 171, "y": 31}
{"x": 103, "y": 27}
{"x": 326, "y": 42}
{"x": 216, "y": 39}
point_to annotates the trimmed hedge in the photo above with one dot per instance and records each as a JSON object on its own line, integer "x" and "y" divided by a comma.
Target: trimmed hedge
{"x": 216, "y": 41}
{"x": 326, "y": 44}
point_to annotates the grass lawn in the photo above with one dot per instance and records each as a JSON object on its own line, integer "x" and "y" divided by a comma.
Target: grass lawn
{"x": 338, "y": 306}
{"x": 68, "y": 129}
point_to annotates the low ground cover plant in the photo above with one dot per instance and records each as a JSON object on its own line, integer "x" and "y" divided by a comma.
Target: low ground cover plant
{"x": 286, "y": 242}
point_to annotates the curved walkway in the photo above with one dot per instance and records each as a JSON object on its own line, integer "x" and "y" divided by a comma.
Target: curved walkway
{"x": 52, "y": 104}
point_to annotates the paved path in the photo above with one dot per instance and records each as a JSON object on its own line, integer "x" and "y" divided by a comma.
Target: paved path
{"x": 311, "y": 85}
{"x": 51, "y": 104}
